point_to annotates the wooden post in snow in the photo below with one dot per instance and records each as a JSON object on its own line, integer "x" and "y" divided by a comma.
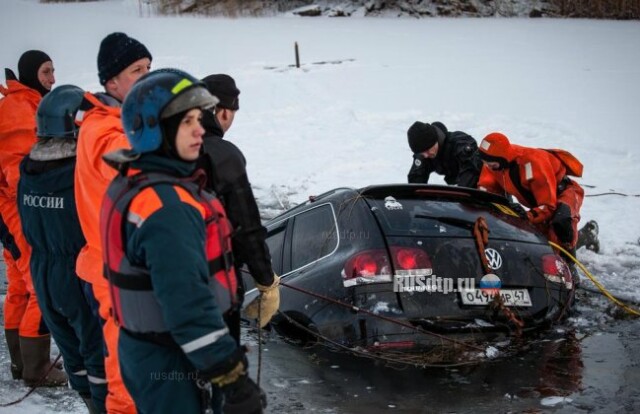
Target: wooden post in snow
{"x": 297, "y": 55}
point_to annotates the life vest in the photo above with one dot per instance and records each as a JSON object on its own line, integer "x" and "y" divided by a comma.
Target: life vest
{"x": 134, "y": 304}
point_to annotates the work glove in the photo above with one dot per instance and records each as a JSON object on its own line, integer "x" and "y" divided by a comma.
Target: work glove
{"x": 265, "y": 305}
{"x": 518, "y": 209}
{"x": 562, "y": 223}
{"x": 534, "y": 216}
{"x": 231, "y": 376}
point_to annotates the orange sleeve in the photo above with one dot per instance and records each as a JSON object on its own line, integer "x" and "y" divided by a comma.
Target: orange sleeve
{"x": 489, "y": 182}
{"x": 108, "y": 136}
{"x": 101, "y": 132}
{"x": 540, "y": 177}
{"x": 17, "y": 136}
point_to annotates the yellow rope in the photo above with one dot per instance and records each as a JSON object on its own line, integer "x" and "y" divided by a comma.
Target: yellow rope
{"x": 604, "y": 291}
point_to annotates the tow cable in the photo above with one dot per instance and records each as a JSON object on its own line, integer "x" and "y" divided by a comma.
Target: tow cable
{"x": 399, "y": 362}
{"x": 481, "y": 237}
{"x": 599, "y": 285}
{"x": 36, "y": 386}
{"x": 385, "y": 318}
{"x": 612, "y": 193}
{"x": 259, "y": 341}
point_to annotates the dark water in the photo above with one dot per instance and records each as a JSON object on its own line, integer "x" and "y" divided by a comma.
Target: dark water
{"x": 591, "y": 364}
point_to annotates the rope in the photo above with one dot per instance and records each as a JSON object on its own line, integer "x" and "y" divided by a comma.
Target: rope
{"x": 38, "y": 384}
{"x": 259, "y": 340}
{"x": 602, "y": 289}
{"x": 385, "y": 318}
{"x": 612, "y": 193}
{"x": 598, "y": 292}
{"x": 403, "y": 359}
{"x": 481, "y": 238}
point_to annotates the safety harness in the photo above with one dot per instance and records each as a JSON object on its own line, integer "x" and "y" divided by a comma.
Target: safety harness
{"x": 135, "y": 306}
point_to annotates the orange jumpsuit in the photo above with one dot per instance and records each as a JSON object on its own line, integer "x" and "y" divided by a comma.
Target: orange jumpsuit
{"x": 101, "y": 133}
{"x": 538, "y": 179}
{"x": 17, "y": 136}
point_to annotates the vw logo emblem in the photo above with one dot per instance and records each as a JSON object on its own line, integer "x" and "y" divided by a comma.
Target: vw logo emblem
{"x": 494, "y": 258}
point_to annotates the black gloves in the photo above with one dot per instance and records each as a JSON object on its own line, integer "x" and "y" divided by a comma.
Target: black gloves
{"x": 243, "y": 397}
{"x": 562, "y": 223}
{"x": 241, "y": 394}
{"x": 518, "y": 209}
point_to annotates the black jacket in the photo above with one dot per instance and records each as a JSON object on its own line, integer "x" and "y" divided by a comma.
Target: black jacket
{"x": 227, "y": 176}
{"x": 458, "y": 160}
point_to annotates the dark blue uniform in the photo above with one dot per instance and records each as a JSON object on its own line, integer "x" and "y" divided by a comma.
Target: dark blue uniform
{"x": 164, "y": 233}
{"x": 225, "y": 166}
{"x": 50, "y": 224}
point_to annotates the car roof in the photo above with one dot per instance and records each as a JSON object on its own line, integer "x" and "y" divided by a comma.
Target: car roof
{"x": 446, "y": 191}
{"x": 394, "y": 190}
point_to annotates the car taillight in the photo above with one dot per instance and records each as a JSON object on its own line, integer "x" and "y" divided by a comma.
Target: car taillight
{"x": 410, "y": 260}
{"x": 556, "y": 270}
{"x": 369, "y": 266}
{"x": 374, "y": 266}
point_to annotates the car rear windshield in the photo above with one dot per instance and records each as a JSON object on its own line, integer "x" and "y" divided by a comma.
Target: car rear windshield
{"x": 437, "y": 217}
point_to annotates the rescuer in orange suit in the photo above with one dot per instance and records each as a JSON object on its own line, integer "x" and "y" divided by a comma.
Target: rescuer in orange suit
{"x": 27, "y": 336}
{"x": 121, "y": 61}
{"x": 539, "y": 179}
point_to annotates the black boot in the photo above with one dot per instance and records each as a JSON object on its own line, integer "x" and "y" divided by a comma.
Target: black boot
{"x": 38, "y": 369}
{"x": 89, "y": 403}
{"x": 588, "y": 236}
{"x": 13, "y": 343}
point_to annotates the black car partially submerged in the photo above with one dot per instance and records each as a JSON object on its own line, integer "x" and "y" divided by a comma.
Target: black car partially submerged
{"x": 383, "y": 248}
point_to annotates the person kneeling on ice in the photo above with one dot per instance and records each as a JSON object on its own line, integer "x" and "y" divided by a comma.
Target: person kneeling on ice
{"x": 538, "y": 179}
{"x": 166, "y": 248}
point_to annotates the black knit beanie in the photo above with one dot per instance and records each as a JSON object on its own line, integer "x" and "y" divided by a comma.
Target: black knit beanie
{"x": 28, "y": 67}
{"x": 224, "y": 88}
{"x": 117, "y": 51}
{"x": 421, "y": 137}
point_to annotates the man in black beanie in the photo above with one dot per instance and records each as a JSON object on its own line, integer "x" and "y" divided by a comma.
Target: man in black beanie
{"x": 227, "y": 92}
{"x": 452, "y": 154}
{"x": 122, "y": 60}
{"x": 227, "y": 176}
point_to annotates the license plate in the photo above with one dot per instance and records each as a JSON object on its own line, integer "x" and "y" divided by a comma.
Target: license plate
{"x": 510, "y": 297}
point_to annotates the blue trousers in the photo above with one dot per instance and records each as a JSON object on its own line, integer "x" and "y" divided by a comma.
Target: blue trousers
{"x": 160, "y": 379}
{"x": 72, "y": 323}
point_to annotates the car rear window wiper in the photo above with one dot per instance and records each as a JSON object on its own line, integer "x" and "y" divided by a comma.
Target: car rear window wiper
{"x": 458, "y": 222}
